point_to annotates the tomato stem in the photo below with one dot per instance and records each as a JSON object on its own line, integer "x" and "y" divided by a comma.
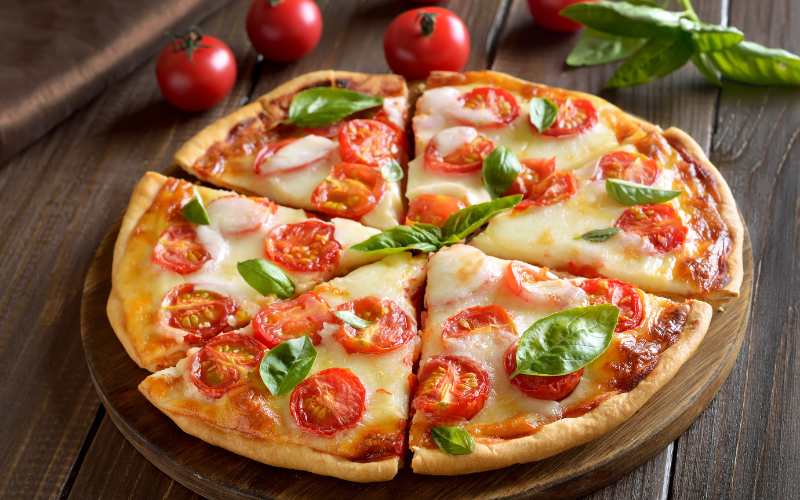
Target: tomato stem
{"x": 427, "y": 22}
{"x": 690, "y": 13}
{"x": 189, "y": 42}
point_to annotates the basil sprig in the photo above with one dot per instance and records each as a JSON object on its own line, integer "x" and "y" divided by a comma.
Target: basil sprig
{"x": 658, "y": 42}
{"x": 353, "y": 320}
{"x": 266, "y": 278}
{"x": 500, "y": 169}
{"x": 195, "y": 211}
{"x": 322, "y": 106}
{"x": 453, "y": 440}
{"x": 430, "y": 238}
{"x": 631, "y": 193}
{"x": 391, "y": 171}
{"x": 287, "y": 364}
{"x": 599, "y": 235}
{"x": 543, "y": 113}
{"x": 566, "y": 341}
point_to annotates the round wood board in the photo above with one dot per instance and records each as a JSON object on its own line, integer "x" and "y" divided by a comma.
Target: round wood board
{"x": 217, "y": 473}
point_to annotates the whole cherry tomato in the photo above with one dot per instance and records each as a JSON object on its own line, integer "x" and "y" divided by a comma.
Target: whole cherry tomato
{"x": 546, "y": 14}
{"x": 422, "y": 40}
{"x": 195, "y": 72}
{"x": 284, "y": 31}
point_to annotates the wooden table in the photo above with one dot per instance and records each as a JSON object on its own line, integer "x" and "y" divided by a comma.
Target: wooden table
{"x": 61, "y": 195}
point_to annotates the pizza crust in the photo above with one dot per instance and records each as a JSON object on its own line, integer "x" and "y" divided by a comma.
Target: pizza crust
{"x": 567, "y": 433}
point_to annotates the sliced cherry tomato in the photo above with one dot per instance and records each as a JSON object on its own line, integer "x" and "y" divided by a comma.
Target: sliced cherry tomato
{"x": 540, "y": 387}
{"x": 369, "y": 142}
{"x": 225, "y": 363}
{"x": 465, "y": 159}
{"x": 501, "y": 105}
{"x": 657, "y": 222}
{"x": 432, "y": 209}
{"x": 555, "y": 188}
{"x": 202, "y": 314}
{"x": 329, "y": 131}
{"x": 328, "y": 402}
{"x": 304, "y": 246}
{"x": 627, "y": 166}
{"x": 284, "y": 31}
{"x": 269, "y": 151}
{"x": 282, "y": 321}
{"x": 391, "y": 329}
{"x": 575, "y": 116}
{"x": 350, "y": 190}
{"x": 383, "y": 117}
{"x": 520, "y": 277}
{"x": 533, "y": 171}
{"x": 178, "y": 250}
{"x": 479, "y": 320}
{"x": 546, "y": 14}
{"x": 451, "y": 388}
{"x": 622, "y": 295}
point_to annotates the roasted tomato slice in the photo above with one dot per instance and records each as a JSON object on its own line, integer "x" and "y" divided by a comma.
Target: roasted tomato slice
{"x": 369, "y": 142}
{"x": 657, "y": 222}
{"x": 520, "y": 277}
{"x": 391, "y": 329}
{"x": 533, "y": 171}
{"x": 622, "y": 295}
{"x": 304, "y": 246}
{"x": 432, "y": 209}
{"x": 502, "y": 107}
{"x": 178, "y": 250}
{"x": 282, "y": 321}
{"x": 492, "y": 320}
{"x": 555, "y": 188}
{"x": 575, "y": 116}
{"x": 627, "y": 166}
{"x": 225, "y": 363}
{"x": 350, "y": 190}
{"x": 329, "y": 401}
{"x": 202, "y": 314}
{"x": 269, "y": 151}
{"x": 328, "y": 131}
{"x": 540, "y": 387}
{"x": 451, "y": 388}
{"x": 465, "y": 159}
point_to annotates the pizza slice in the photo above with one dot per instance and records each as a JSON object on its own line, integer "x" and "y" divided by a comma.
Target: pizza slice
{"x": 346, "y": 415}
{"x": 518, "y": 365}
{"x": 176, "y": 284}
{"x": 335, "y": 168}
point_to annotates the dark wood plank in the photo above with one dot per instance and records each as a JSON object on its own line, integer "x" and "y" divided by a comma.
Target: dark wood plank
{"x": 648, "y": 482}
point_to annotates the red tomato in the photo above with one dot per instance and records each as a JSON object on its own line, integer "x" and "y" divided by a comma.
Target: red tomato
{"x": 545, "y": 13}
{"x": 368, "y": 142}
{"x": 328, "y": 402}
{"x": 269, "y": 151}
{"x": 467, "y": 158}
{"x": 285, "y": 32}
{"x": 575, "y": 116}
{"x": 627, "y": 166}
{"x": 328, "y": 131}
{"x": 501, "y": 104}
{"x": 202, "y": 314}
{"x": 451, "y": 388}
{"x": 657, "y": 222}
{"x": 350, "y": 190}
{"x": 282, "y": 321}
{"x": 422, "y": 40}
{"x": 195, "y": 72}
{"x": 583, "y": 270}
{"x": 488, "y": 320}
{"x": 391, "y": 329}
{"x": 622, "y": 295}
{"x": 432, "y": 209}
{"x": 540, "y": 387}
{"x": 533, "y": 171}
{"x": 304, "y": 246}
{"x": 178, "y": 250}
{"x": 555, "y": 188}
{"x": 520, "y": 278}
{"x": 225, "y": 363}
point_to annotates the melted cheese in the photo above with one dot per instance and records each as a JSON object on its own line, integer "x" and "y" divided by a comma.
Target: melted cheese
{"x": 303, "y": 151}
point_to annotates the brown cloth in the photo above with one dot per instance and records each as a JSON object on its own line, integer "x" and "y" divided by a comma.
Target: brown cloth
{"x": 56, "y": 55}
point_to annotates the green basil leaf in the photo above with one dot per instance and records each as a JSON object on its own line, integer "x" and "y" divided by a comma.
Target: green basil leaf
{"x": 749, "y": 62}
{"x": 464, "y": 222}
{"x": 566, "y": 341}
{"x": 630, "y": 193}
{"x": 594, "y": 48}
{"x": 322, "y": 106}
{"x": 391, "y": 171}
{"x": 660, "y": 56}
{"x": 353, "y": 320}
{"x": 500, "y": 170}
{"x": 287, "y": 364}
{"x": 708, "y": 37}
{"x": 266, "y": 278}
{"x": 703, "y": 63}
{"x": 599, "y": 235}
{"x": 195, "y": 211}
{"x": 453, "y": 440}
{"x": 624, "y": 19}
{"x": 649, "y": 3}
{"x": 424, "y": 237}
{"x": 543, "y": 113}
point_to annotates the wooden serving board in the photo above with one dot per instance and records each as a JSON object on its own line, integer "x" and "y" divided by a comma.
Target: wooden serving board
{"x": 217, "y": 473}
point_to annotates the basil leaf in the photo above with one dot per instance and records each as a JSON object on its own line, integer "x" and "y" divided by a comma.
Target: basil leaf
{"x": 708, "y": 37}
{"x": 566, "y": 341}
{"x": 624, "y": 19}
{"x": 424, "y": 237}
{"x": 630, "y": 193}
{"x": 287, "y": 364}
{"x": 195, "y": 211}
{"x": 462, "y": 223}
{"x": 453, "y": 440}
{"x": 595, "y": 47}
{"x": 500, "y": 170}
{"x": 703, "y": 63}
{"x": 599, "y": 235}
{"x": 660, "y": 56}
{"x": 353, "y": 320}
{"x": 322, "y": 106}
{"x": 543, "y": 113}
{"x": 391, "y": 171}
{"x": 266, "y": 278}
{"x": 749, "y": 62}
